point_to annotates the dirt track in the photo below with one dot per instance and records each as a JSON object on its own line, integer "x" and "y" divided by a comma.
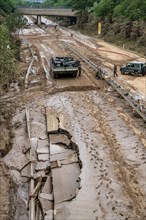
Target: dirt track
{"x": 110, "y": 136}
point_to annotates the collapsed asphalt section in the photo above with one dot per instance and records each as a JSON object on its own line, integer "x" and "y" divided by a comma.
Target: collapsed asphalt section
{"x": 54, "y": 170}
{"x": 65, "y": 163}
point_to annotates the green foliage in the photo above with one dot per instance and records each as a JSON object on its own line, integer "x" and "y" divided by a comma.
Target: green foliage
{"x": 6, "y": 6}
{"x": 49, "y": 3}
{"x": 7, "y": 57}
{"x": 131, "y": 9}
{"x": 93, "y": 8}
{"x": 82, "y": 5}
{"x": 15, "y": 21}
{"x": 64, "y": 3}
{"x": 104, "y": 8}
{"x": 9, "y": 22}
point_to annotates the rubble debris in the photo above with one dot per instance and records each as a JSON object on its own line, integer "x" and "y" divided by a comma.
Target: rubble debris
{"x": 43, "y": 157}
{"x": 55, "y": 164}
{"x": 59, "y": 139}
{"x": 39, "y": 174}
{"x": 46, "y": 204}
{"x": 47, "y": 188}
{"x": 71, "y": 159}
{"x": 49, "y": 215}
{"x": 64, "y": 182}
{"x": 52, "y": 121}
{"x": 62, "y": 122}
{"x": 46, "y": 196}
{"x": 36, "y": 189}
{"x": 64, "y": 158}
{"x": 42, "y": 165}
{"x": 25, "y": 166}
{"x": 43, "y": 150}
{"x": 42, "y": 143}
{"x": 61, "y": 156}
{"x": 57, "y": 149}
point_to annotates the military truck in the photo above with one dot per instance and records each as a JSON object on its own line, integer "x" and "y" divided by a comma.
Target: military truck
{"x": 134, "y": 68}
{"x": 64, "y": 66}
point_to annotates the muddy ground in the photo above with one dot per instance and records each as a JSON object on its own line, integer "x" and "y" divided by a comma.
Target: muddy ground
{"x": 109, "y": 134}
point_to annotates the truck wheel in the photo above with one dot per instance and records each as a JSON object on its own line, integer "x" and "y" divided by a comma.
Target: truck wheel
{"x": 143, "y": 74}
{"x": 144, "y": 70}
{"x": 136, "y": 73}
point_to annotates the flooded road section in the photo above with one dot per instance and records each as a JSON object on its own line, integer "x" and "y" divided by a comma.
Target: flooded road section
{"x": 76, "y": 149}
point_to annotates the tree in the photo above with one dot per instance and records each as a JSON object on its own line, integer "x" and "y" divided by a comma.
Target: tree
{"x": 82, "y": 5}
{"x": 104, "y": 8}
{"x": 133, "y": 10}
{"x": 6, "y": 6}
{"x": 15, "y": 21}
{"x": 7, "y": 57}
{"x": 9, "y": 22}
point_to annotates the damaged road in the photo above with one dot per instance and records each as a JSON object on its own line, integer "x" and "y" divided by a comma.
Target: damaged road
{"x": 81, "y": 152}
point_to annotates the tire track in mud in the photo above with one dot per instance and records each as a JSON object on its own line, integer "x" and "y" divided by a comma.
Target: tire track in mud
{"x": 88, "y": 71}
{"x": 103, "y": 50}
{"x": 30, "y": 94}
{"x": 124, "y": 171}
{"x": 129, "y": 117}
{"x": 85, "y": 78}
{"x": 95, "y": 56}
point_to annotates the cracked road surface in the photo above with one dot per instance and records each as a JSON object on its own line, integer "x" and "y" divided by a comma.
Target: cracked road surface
{"x": 109, "y": 135}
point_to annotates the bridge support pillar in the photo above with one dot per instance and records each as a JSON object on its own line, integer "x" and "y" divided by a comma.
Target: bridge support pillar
{"x": 39, "y": 19}
{"x": 72, "y": 20}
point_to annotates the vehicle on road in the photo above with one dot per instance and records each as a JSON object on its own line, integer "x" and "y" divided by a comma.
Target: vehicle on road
{"x": 64, "y": 66}
{"x": 134, "y": 68}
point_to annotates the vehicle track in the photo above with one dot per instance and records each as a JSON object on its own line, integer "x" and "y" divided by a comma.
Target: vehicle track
{"x": 109, "y": 126}
{"x": 97, "y": 54}
{"x": 141, "y": 110}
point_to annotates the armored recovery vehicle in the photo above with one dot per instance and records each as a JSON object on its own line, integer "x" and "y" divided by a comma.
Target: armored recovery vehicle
{"x": 65, "y": 66}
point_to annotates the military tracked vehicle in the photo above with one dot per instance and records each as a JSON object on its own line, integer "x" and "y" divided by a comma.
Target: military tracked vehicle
{"x": 64, "y": 66}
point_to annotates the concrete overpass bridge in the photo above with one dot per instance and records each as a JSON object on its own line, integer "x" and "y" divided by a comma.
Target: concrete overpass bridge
{"x": 58, "y": 12}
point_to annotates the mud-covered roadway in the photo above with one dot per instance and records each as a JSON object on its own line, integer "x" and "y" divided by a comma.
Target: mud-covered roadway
{"x": 109, "y": 134}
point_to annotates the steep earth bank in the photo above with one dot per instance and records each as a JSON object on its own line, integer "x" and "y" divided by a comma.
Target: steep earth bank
{"x": 128, "y": 34}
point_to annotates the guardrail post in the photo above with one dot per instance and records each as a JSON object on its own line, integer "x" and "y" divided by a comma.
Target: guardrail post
{"x": 39, "y": 19}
